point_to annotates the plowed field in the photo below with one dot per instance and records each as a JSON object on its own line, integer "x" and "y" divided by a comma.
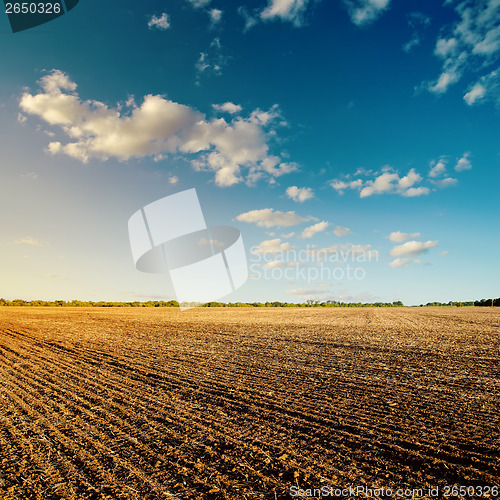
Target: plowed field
{"x": 246, "y": 403}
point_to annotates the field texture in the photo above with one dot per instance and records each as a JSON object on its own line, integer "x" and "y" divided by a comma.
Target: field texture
{"x": 246, "y": 403}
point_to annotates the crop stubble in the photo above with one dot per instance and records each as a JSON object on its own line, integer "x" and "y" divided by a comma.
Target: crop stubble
{"x": 244, "y": 403}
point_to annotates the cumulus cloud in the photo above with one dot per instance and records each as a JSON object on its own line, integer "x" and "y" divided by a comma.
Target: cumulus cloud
{"x": 272, "y": 247}
{"x": 310, "y": 231}
{"x": 363, "y": 12}
{"x": 341, "y": 186}
{"x": 399, "y": 237}
{"x": 412, "y": 248}
{"x": 390, "y": 182}
{"x": 341, "y": 231}
{"x": 173, "y": 179}
{"x": 268, "y": 217}
{"x": 286, "y": 10}
{"x": 155, "y": 128}
{"x": 476, "y": 93}
{"x": 159, "y": 22}
{"x": 228, "y": 107}
{"x": 299, "y": 194}
{"x": 409, "y": 251}
{"x": 400, "y": 262}
{"x": 472, "y": 41}
{"x": 438, "y": 169}
{"x": 463, "y": 163}
{"x": 215, "y": 16}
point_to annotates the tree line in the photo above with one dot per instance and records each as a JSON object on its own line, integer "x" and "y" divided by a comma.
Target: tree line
{"x": 174, "y": 303}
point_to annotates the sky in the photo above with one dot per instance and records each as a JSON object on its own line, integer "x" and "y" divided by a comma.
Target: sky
{"x": 353, "y": 143}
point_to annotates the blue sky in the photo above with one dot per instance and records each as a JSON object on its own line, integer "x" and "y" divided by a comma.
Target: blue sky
{"x": 361, "y": 131}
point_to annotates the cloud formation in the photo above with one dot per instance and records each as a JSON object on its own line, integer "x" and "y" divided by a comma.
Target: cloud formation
{"x": 299, "y": 194}
{"x": 409, "y": 251}
{"x": 156, "y": 128}
{"x": 341, "y": 231}
{"x": 227, "y": 107}
{"x": 399, "y": 237}
{"x": 286, "y": 10}
{"x": 272, "y": 247}
{"x": 268, "y": 217}
{"x": 363, "y": 12}
{"x": 463, "y": 163}
{"x": 310, "y": 231}
{"x": 389, "y": 180}
{"x": 159, "y": 22}
{"x": 473, "y": 41}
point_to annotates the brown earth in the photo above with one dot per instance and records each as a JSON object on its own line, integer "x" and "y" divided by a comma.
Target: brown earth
{"x": 244, "y": 403}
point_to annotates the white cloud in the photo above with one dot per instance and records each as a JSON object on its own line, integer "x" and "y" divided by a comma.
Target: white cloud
{"x": 463, "y": 163}
{"x": 409, "y": 180}
{"x": 438, "y": 169}
{"x": 363, "y": 12}
{"x": 473, "y": 41}
{"x": 400, "y": 262}
{"x": 268, "y": 217}
{"x": 390, "y": 182}
{"x": 173, "y": 179}
{"x": 399, "y": 237}
{"x": 160, "y": 23}
{"x": 197, "y": 4}
{"x": 227, "y": 107}
{"x": 409, "y": 251}
{"x": 272, "y": 247}
{"x": 32, "y": 242}
{"x": 289, "y": 235}
{"x": 443, "y": 253}
{"x": 341, "y": 186}
{"x": 155, "y": 128}
{"x": 419, "y": 191}
{"x": 215, "y": 16}
{"x": 341, "y": 231}
{"x": 476, "y": 93}
{"x": 487, "y": 88}
{"x": 299, "y": 194}
{"x": 412, "y": 248}
{"x": 310, "y": 231}
{"x": 286, "y": 10}
{"x": 444, "y": 183}
{"x": 21, "y": 118}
